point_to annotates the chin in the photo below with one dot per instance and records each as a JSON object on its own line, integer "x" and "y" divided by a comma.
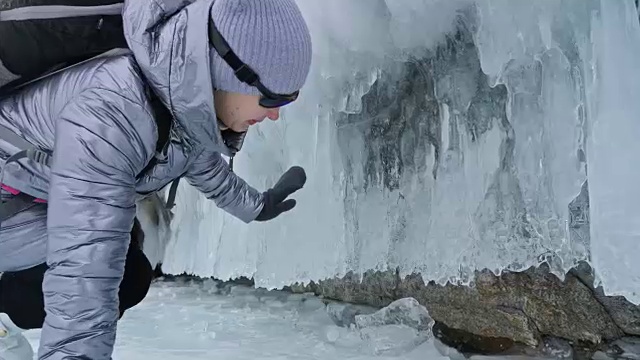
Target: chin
{"x": 243, "y": 128}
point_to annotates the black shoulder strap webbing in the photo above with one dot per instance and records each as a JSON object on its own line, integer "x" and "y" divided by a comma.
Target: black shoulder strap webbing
{"x": 28, "y": 150}
{"x": 164, "y": 119}
{"x": 22, "y": 82}
{"x": 171, "y": 197}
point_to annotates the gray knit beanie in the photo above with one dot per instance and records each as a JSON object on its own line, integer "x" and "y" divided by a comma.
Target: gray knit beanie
{"x": 270, "y": 36}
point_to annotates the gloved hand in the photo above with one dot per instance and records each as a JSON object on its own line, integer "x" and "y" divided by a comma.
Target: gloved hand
{"x": 274, "y": 198}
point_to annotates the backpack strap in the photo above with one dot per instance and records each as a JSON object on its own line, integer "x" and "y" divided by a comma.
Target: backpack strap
{"x": 48, "y": 12}
{"x": 22, "y": 82}
{"x": 164, "y": 120}
{"x": 29, "y": 151}
{"x": 171, "y": 199}
{"x": 20, "y": 201}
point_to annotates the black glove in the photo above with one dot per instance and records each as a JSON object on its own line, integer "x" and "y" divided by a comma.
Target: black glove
{"x": 274, "y": 198}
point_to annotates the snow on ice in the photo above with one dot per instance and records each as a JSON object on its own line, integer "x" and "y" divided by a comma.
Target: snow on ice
{"x": 204, "y": 320}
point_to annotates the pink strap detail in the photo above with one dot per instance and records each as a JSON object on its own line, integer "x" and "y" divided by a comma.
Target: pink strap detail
{"x": 13, "y": 191}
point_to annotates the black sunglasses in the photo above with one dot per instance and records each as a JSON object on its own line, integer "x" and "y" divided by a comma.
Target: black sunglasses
{"x": 245, "y": 74}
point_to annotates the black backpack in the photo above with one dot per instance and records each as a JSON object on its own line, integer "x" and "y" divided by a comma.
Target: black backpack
{"x": 39, "y": 37}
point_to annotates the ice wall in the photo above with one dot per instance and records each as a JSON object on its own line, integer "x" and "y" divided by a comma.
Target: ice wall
{"x": 613, "y": 148}
{"x": 440, "y": 137}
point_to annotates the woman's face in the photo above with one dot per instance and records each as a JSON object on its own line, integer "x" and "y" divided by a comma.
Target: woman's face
{"x": 239, "y": 111}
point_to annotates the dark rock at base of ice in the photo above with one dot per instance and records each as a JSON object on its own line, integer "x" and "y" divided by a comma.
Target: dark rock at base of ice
{"x": 523, "y": 307}
{"x": 467, "y": 342}
{"x": 550, "y": 348}
{"x": 509, "y": 357}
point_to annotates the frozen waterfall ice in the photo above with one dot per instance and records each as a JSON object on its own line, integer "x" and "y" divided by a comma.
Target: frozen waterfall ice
{"x": 441, "y": 137}
{"x": 612, "y": 152}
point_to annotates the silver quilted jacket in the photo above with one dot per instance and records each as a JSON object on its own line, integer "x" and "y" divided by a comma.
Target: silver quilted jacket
{"x": 98, "y": 120}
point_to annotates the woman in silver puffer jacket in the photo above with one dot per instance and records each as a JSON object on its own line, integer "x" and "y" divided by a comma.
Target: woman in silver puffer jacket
{"x": 100, "y": 121}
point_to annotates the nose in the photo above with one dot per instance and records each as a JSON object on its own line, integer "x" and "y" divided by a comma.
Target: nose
{"x": 273, "y": 114}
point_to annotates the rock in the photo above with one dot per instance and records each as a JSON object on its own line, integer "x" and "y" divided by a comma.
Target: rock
{"x": 464, "y": 308}
{"x": 375, "y": 289}
{"x": 625, "y": 314}
{"x": 466, "y": 342}
{"x": 523, "y": 307}
{"x": 566, "y": 309}
{"x": 469, "y": 345}
{"x": 302, "y": 288}
{"x": 507, "y": 357}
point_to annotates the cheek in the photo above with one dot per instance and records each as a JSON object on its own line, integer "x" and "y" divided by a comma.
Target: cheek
{"x": 252, "y": 113}
{"x": 234, "y": 113}
{"x": 244, "y": 111}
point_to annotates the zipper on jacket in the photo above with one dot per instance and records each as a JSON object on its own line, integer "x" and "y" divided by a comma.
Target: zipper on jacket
{"x": 58, "y": 11}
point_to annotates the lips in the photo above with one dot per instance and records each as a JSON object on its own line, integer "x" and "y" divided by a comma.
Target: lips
{"x": 252, "y": 122}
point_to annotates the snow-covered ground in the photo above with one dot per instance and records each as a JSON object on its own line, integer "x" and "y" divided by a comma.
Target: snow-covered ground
{"x": 202, "y": 320}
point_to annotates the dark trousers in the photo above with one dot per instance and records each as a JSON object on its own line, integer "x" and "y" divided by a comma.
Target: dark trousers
{"x": 22, "y": 299}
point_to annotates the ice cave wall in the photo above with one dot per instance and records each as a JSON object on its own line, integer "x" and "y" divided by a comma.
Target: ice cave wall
{"x": 441, "y": 137}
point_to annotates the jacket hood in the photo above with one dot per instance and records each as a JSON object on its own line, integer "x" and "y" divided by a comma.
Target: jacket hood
{"x": 169, "y": 40}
